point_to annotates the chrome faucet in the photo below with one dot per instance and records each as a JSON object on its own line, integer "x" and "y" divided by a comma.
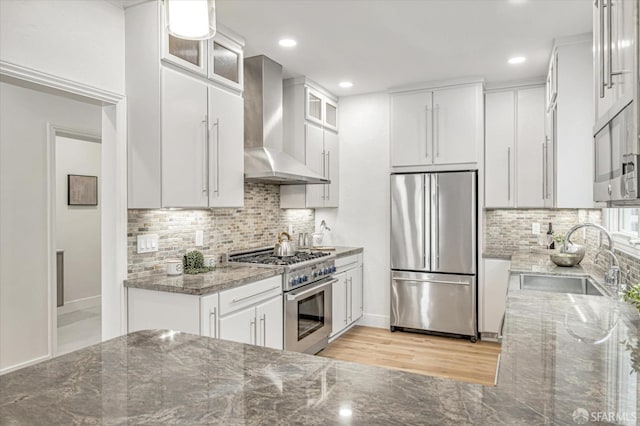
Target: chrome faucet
{"x": 567, "y": 241}
{"x": 612, "y": 276}
{"x": 323, "y": 226}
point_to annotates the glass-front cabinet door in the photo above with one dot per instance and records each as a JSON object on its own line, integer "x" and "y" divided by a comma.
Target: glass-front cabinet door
{"x": 225, "y": 62}
{"x": 330, "y": 114}
{"x": 187, "y": 54}
{"x": 313, "y": 106}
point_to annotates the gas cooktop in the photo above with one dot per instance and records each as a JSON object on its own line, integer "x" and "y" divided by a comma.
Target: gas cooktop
{"x": 267, "y": 257}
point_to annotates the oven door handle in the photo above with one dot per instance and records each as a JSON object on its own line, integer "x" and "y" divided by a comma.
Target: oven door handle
{"x": 314, "y": 289}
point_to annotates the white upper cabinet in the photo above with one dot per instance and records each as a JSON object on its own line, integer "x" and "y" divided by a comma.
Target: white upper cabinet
{"x": 500, "y": 149}
{"x": 315, "y": 160}
{"x": 331, "y": 169}
{"x": 614, "y": 23}
{"x": 330, "y": 114}
{"x": 185, "y": 116}
{"x": 411, "y": 123}
{"x": 226, "y": 149}
{"x": 514, "y": 146}
{"x": 441, "y": 126}
{"x": 310, "y": 136}
{"x": 313, "y": 110}
{"x": 226, "y": 61}
{"x": 456, "y": 125}
{"x": 188, "y": 54}
{"x": 184, "y": 141}
{"x": 569, "y": 142}
{"x": 530, "y": 138}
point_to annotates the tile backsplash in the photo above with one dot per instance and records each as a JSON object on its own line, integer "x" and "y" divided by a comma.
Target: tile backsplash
{"x": 225, "y": 229}
{"x": 510, "y": 229}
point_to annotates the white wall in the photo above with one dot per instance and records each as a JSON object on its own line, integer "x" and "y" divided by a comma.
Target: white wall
{"x": 363, "y": 216}
{"x": 78, "y": 227}
{"x": 24, "y": 227}
{"x": 78, "y": 40}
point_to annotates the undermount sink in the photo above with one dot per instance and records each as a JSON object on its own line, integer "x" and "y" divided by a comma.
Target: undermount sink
{"x": 559, "y": 284}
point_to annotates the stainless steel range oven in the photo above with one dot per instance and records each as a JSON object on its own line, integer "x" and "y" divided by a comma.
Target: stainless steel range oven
{"x": 307, "y": 317}
{"x": 306, "y": 282}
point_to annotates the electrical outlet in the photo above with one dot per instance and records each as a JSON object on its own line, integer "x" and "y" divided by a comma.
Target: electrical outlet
{"x": 535, "y": 228}
{"x": 290, "y": 229}
{"x": 199, "y": 238}
{"x": 147, "y": 243}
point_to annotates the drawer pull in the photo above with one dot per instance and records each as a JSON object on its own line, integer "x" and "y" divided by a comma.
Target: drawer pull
{"x": 254, "y": 295}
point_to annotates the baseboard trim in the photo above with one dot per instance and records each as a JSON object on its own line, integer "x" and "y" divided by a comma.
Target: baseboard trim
{"x": 374, "y": 320}
{"x": 76, "y": 305}
{"x": 24, "y": 364}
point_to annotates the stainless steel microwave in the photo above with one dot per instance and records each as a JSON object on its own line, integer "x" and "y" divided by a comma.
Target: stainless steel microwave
{"x": 617, "y": 160}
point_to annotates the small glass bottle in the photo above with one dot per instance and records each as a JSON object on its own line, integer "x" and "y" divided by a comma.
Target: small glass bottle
{"x": 550, "y": 243}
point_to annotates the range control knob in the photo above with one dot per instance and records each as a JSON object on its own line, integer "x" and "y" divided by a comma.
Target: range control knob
{"x": 314, "y": 274}
{"x": 300, "y": 280}
{"x": 333, "y": 269}
{"x": 293, "y": 281}
{"x": 305, "y": 278}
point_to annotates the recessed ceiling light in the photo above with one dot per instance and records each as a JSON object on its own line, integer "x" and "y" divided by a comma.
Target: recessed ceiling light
{"x": 517, "y": 60}
{"x": 345, "y": 84}
{"x": 287, "y": 42}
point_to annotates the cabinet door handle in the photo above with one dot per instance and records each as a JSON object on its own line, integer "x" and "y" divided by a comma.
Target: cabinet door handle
{"x": 436, "y": 126}
{"x": 509, "y": 173}
{"x": 240, "y": 299}
{"x": 609, "y": 46}
{"x": 205, "y": 154}
{"x": 601, "y": 42}
{"x": 263, "y": 321}
{"x": 328, "y": 186}
{"x": 350, "y": 299}
{"x": 215, "y": 321}
{"x": 544, "y": 172}
{"x": 252, "y": 330}
{"x": 217, "y": 124}
{"x": 346, "y": 299}
{"x": 426, "y": 130}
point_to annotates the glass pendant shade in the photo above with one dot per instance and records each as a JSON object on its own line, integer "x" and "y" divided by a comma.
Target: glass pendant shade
{"x": 191, "y": 19}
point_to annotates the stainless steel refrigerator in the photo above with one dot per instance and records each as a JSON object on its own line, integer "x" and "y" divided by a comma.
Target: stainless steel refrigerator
{"x": 434, "y": 252}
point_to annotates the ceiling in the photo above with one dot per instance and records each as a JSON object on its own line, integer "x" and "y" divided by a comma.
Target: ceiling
{"x": 379, "y": 44}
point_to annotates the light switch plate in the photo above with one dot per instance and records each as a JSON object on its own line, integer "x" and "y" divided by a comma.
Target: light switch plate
{"x": 147, "y": 243}
{"x": 535, "y": 228}
{"x": 199, "y": 238}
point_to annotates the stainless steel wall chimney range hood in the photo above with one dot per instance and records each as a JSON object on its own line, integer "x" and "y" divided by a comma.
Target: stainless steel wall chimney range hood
{"x": 264, "y": 158}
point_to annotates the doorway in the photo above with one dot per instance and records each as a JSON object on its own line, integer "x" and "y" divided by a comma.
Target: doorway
{"x": 35, "y": 110}
{"x": 78, "y": 239}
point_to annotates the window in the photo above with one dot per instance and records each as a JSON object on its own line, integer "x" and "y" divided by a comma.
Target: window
{"x": 624, "y": 224}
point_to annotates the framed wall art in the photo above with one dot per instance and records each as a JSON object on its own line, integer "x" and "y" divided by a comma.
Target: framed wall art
{"x": 82, "y": 190}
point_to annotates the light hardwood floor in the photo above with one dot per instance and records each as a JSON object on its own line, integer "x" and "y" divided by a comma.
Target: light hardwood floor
{"x": 418, "y": 353}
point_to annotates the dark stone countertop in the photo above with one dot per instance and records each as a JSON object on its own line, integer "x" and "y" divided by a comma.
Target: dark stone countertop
{"x": 561, "y": 354}
{"x": 222, "y": 278}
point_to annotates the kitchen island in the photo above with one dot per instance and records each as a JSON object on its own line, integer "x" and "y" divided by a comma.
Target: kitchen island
{"x": 550, "y": 371}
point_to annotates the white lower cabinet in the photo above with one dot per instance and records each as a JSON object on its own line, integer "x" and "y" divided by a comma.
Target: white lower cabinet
{"x": 209, "y": 316}
{"x": 259, "y": 325}
{"x": 252, "y": 313}
{"x": 494, "y": 295}
{"x": 347, "y": 294}
{"x": 239, "y": 326}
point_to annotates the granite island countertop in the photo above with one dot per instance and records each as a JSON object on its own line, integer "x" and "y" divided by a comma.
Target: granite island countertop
{"x": 553, "y": 366}
{"x": 222, "y": 278}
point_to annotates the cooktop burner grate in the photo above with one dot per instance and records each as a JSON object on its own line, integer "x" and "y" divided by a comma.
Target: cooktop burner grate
{"x": 271, "y": 259}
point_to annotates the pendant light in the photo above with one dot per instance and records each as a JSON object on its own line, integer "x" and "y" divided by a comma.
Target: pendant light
{"x": 191, "y": 19}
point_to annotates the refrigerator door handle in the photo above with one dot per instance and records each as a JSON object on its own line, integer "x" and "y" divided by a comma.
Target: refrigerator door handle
{"x": 436, "y": 221}
{"x": 427, "y": 211}
{"x": 415, "y": 280}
